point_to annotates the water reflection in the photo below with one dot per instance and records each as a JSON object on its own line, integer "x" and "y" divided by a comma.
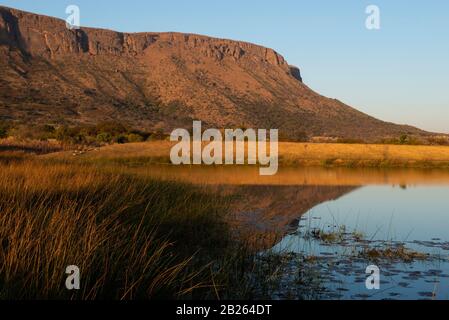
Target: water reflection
{"x": 414, "y": 217}
{"x": 262, "y": 215}
{"x": 396, "y": 207}
{"x": 312, "y": 176}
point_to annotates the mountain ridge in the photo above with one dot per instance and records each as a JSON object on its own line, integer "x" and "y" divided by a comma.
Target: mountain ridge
{"x": 161, "y": 81}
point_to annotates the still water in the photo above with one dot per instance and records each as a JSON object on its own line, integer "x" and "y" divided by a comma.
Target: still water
{"x": 367, "y": 210}
{"x": 416, "y": 217}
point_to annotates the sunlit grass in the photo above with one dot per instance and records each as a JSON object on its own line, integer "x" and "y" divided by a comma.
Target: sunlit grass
{"x": 293, "y": 155}
{"x": 131, "y": 237}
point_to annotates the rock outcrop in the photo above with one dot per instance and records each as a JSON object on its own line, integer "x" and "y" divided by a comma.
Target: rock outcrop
{"x": 296, "y": 73}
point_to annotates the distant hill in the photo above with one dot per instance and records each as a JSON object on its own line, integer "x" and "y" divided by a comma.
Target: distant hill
{"x": 49, "y": 74}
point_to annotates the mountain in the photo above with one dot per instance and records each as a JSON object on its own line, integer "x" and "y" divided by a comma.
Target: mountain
{"x": 50, "y": 74}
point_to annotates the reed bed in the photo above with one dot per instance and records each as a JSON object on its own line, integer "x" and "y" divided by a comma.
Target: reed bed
{"x": 131, "y": 237}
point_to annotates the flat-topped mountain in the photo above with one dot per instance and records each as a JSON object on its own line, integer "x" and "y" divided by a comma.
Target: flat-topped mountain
{"x": 50, "y": 74}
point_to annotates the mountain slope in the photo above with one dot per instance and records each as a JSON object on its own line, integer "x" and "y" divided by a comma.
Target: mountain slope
{"x": 49, "y": 74}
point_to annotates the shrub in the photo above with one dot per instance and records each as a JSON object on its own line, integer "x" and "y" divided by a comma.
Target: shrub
{"x": 104, "y": 137}
{"x": 121, "y": 139}
{"x": 438, "y": 140}
{"x": 158, "y": 135}
{"x": 134, "y": 137}
{"x": 112, "y": 128}
{"x": 3, "y": 133}
{"x": 403, "y": 139}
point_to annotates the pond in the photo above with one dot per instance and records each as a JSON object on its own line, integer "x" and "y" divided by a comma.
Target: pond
{"x": 331, "y": 224}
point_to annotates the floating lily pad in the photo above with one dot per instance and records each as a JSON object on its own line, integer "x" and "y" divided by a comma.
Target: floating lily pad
{"x": 362, "y": 296}
{"x": 426, "y": 294}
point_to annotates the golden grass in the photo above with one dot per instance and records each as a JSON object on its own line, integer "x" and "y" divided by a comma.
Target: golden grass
{"x": 30, "y": 146}
{"x": 136, "y": 237}
{"x": 300, "y": 164}
{"x": 292, "y": 154}
{"x": 133, "y": 238}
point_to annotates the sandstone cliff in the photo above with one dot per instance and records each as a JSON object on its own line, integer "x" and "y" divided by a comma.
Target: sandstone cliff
{"x": 50, "y": 74}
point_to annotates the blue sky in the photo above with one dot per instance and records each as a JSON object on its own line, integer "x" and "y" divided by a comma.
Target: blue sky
{"x": 399, "y": 73}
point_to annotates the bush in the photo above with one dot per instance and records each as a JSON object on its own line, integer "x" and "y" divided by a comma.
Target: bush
{"x": 134, "y": 137}
{"x": 69, "y": 135}
{"x": 121, "y": 139}
{"x": 158, "y": 135}
{"x": 105, "y": 132}
{"x": 104, "y": 137}
{"x": 112, "y": 128}
{"x": 3, "y": 132}
{"x": 403, "y": 139}
{"x": 438, "y": 140}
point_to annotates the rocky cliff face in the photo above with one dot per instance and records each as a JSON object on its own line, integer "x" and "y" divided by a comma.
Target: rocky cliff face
{"x": 47, "y": 37}
{"x": 160, "y": 81}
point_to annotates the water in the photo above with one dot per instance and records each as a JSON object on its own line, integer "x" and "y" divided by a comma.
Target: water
{"x": 416, "y": 217}
{"x": 370, "y": 209}
{"x": 385, "y": 212}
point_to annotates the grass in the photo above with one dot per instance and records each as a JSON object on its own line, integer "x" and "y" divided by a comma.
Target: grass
{"x": 387, "y": 251}
{"x": 297, "y": 154}
{"x": 132, "y": 237}
{"x": 393, "y": 253}
{"x": 363, "y": 155}
{"x": 29, "y": 146}
{"x": 334, "y": 236}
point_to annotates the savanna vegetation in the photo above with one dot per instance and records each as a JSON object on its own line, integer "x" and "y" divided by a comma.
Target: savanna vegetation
{"x": 114, "y": 132}
{"x": 292, "y": 155}
{"x": 109, "y": 132}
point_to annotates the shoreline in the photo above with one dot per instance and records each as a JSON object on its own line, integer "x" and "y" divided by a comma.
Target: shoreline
{"x": 290, "y": 155}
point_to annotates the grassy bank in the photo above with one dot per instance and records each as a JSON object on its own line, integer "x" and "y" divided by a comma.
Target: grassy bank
{"x": 131, "y": 237}
{"x": 363, "y": 155}
{"x": 290, "y": 155}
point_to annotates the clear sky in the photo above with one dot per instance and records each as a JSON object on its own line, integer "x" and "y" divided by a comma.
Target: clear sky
{"x": 399, "y": 73}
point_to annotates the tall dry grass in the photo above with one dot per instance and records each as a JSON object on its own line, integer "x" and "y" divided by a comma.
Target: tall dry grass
{"x": 31, "y": 146}
{"x": 132, "y": 238}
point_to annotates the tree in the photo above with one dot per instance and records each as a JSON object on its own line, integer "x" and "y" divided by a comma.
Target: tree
{"x": 134, "y": 137}
{"x": 104, "y": 137}
{"x": 3, "y": 130}
{"x": 403, "y": 139}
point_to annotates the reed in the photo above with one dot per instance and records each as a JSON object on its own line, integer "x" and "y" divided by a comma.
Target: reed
{"x": 132, "y": 237}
